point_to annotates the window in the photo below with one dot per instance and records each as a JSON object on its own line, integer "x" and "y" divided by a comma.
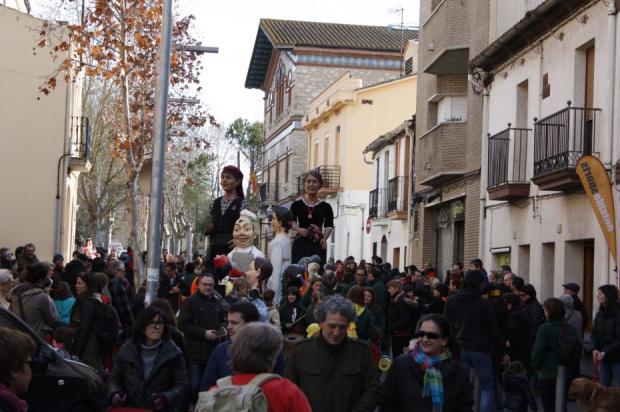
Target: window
{"x": 409, "y": 66}
{"x": 326, "y": 150}
{"x": 286, "y": 168}
{"x": 452, "y": 109}
{"x": 337, "y": 147}
{"x": 316, "y": 153}
{"x": 416, "y": 221}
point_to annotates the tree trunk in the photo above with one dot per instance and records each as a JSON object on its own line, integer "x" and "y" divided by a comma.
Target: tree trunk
{"x": 134, "y": 212}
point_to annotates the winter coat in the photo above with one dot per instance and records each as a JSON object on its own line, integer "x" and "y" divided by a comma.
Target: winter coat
{"x": 83, "y": 318}
{"x": 198, "y": 314}
{"x": 475, "y": 324}
{"x": 606, "y": 335}
{"x": 402, "y": 389}
{"x": 580, "y": 307}
{"x": 168, "y": 376}
{"x": 517, "y": 393}
{"x": 163, "y": 292}
{"x": 535, "y": 315}
{"x": 289, "y": 314}
{"x": 341, "y": 378}
{"x": 519, "y": 348}
{"x": 64, "y": 308}
{"x": 575, "y": 320}
{"x": 364, "y": 327}
{"x": 544, "y": 353}
{"x": 381, "y": 294}
{"x": 399, "y": 317}
{"x": 35, "y": 307}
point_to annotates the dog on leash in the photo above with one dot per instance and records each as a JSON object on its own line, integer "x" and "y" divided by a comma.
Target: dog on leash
{"x": 593, "y": 397}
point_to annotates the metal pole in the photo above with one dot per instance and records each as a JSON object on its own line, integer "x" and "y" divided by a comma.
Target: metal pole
{"x": 159, "y": 136}
{"x": 561, "y": 384}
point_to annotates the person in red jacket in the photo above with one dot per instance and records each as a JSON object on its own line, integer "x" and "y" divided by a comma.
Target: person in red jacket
{"x": 253, "y": 353}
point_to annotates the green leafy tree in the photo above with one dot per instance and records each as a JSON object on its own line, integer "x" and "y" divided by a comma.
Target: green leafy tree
{"x": 249, "y": 139}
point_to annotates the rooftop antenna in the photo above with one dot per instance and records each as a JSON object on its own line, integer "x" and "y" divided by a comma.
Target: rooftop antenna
{"x": 400, "y": 10}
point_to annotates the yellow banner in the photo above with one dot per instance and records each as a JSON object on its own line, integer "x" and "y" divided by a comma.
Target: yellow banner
{"x": 596, "y": 183}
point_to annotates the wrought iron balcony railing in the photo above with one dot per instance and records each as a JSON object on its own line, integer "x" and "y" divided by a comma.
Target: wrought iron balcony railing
{"x": 378, "y": 201}
{"x": 563, "y": 137}
{"x": 80, "y": 138}
{"x": 398, "y": 194}
{"x": 508, "y": 157}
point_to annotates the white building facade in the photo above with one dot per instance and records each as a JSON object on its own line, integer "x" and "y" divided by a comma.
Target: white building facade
{"x": 547, "y": 103}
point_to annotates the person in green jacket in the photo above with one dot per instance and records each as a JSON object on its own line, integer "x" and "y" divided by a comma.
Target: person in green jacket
{"x": 375, "y": 279}
{"x": 363, "y": 322}
{"x": 544, "y": 353}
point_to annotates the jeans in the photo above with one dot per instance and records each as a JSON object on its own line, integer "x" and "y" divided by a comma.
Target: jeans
{"x": 196, "y": 370}
{"x": 610, "y": 374}
{"x": 547, "y": 394}
{"x": 481, "y": 363}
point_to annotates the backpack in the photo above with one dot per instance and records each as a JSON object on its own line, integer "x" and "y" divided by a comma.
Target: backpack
{"x": 107, "y": 324}
{"x": 229, "y": 397}
{"x": 569, "y": 346}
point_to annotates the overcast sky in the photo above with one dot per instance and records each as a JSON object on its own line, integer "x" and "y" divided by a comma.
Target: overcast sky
{"x": 231, "y": 25}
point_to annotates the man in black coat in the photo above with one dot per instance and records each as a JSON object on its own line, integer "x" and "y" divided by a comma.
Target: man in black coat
{"x": 335, "y": 373}
{"x": 477, "y": 333}
{"x": 201, "y": 318}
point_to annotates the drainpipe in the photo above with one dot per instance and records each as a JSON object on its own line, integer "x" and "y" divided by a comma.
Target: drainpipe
{"x": 607, "y": 154}
{"x": 483, "y": 172}
{"x": 368, "y": 162}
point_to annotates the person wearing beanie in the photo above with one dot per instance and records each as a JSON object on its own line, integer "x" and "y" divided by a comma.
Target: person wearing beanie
{"x": 224, "y": 213}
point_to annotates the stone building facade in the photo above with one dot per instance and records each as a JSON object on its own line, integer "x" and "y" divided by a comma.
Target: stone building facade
{"x": 293, "y": 62}
{"x": 445, "y": 215}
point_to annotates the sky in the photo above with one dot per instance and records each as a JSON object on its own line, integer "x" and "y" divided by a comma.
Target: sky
{"x": 232, "y": 25}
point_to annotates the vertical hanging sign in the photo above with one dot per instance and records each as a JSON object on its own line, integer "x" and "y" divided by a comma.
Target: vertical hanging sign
{"x": 596, "y": 183}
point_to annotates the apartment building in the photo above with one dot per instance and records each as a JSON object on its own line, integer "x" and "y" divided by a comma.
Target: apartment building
{"x": 293, "y": 62}
{"x": 340, "y": 123}
{"x": 45, "y": 141}
{"x": 445, "y": 217}
{"x": 390, "y": 199}
{"x": 550, "y": 86}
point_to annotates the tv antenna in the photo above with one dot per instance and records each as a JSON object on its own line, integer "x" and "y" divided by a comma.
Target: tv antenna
{"x": 401, "y": 11}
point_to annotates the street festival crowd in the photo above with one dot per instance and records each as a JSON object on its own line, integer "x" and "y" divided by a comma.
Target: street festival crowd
{"x": 293, "y": 331}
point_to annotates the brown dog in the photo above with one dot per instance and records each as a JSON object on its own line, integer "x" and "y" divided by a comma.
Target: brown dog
{"x": 592, "y": 397}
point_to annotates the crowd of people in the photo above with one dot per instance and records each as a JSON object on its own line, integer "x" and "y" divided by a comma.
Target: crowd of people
{"x": 302, "y": 332}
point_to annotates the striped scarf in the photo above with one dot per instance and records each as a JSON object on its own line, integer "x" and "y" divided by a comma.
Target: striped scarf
{"x": 433, "y": 381}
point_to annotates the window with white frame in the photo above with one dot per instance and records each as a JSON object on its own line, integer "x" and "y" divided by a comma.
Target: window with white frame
{"x": 452, "y": 109}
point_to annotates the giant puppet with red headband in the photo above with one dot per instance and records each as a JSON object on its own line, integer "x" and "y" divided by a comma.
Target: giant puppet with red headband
{"x": 225, "y": 213}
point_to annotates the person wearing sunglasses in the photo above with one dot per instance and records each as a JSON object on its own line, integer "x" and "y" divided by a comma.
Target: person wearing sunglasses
{"x": 149, "y": 370}
{"x": 430, "y": 378}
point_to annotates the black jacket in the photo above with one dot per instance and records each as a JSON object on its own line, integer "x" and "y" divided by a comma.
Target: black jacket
{"x": 198, "y": 314}
{"x": 475, "y": 323}
{"x": 168, "y": 376}
{"x": 163, "y": 291}
{"x": 83, "y": 318}
{"x": 606, "y": 335}
{"x": 399, "y": 317}
{"x": 519, "y": 348}
{"x": 223, "y": 224}
{"x": 535, "y": 316}
{"x": 517, "y": 393}
{"x": 341, "y": 378}
{"x": 402, "y": 389}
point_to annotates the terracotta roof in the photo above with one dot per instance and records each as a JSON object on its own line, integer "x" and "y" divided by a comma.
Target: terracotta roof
{"x": 389, "y": 137}
{"x": 287, "y": 34}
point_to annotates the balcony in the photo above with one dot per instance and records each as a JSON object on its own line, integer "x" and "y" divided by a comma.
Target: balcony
{"x": 398, "y": 198}
{"x": 507, "y": 165}
{"x": 378, "y": 201}
{"x": 559, "y": 141}
{"x": 445, "y": 34}
{"x": 331, "y": 180}
{"x": 79, "y": 160}
{"x": 441, "y": 154}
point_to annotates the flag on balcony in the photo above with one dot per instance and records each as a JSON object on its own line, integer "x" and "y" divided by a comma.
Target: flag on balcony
{"x": 596, "y": 183}
{"x": 254, "y": 182}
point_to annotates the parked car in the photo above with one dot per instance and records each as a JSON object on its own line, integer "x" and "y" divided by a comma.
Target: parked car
{"x": 58, "y": 384}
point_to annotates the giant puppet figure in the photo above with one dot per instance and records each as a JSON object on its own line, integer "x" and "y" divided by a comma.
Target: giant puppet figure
{"x": 225, "y": 212}
{"x": 244, "y": 233}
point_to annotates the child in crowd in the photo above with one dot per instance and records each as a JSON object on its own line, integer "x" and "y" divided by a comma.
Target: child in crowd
{"x": 273, "y": 316}
{"x": 518, "y": 395}
{"x": 62, "y": 341}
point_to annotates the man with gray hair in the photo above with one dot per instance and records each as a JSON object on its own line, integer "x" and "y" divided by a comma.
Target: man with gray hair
{"x": 336, "y": 373}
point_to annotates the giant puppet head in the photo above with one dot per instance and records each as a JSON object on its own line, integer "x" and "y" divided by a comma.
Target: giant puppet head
{"x": 244, "y": 231}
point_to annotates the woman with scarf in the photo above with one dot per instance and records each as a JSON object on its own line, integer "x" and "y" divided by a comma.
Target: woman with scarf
{"x": 430, "y": 378}
{"x": 225, "y": 212}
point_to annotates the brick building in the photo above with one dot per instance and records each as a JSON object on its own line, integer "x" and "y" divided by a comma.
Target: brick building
{"x": 293, "y": 62}
{"x": 445, "y": 220}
